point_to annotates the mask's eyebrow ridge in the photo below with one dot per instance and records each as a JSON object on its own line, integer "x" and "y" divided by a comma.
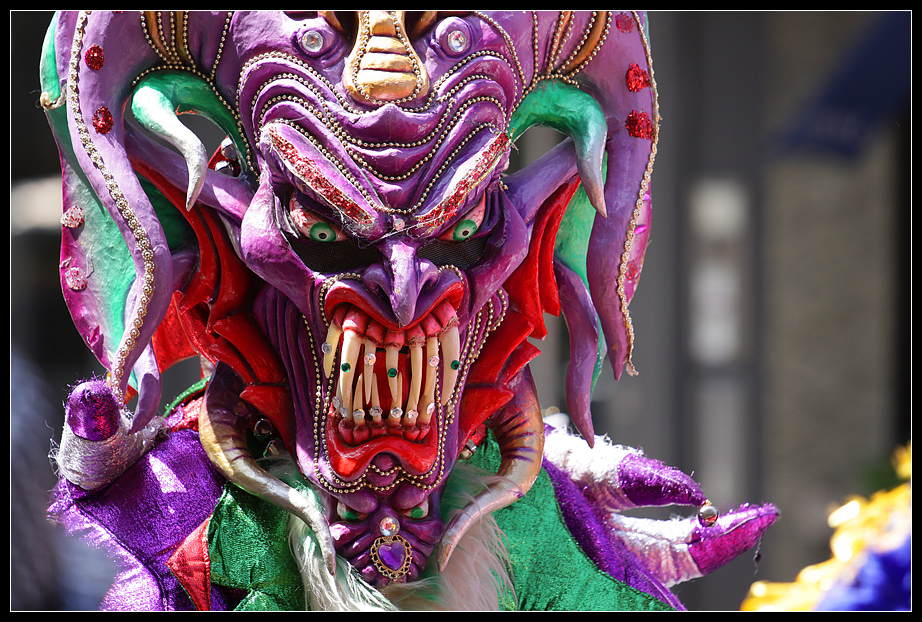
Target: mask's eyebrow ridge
{"x": 310, "y": 173}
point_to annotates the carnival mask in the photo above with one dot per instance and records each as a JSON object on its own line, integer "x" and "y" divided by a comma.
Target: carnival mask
{"x": 355, "y": 266}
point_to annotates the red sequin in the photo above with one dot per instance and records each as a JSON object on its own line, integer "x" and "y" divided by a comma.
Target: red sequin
{"x": 445, "y": 210}
{"x": 94, "y": 58}
{"x": 639, "y": 125}
{"x": 102, "y": 120}
{"x": 636, "y": 78}
{"x": 632, "y": 271}
{"x": 307, "y": 170}
{"x": 624, "y": 22}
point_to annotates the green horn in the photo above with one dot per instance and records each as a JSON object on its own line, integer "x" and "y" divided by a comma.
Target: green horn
{"x": 577, "y": 114}
{"x": 156, "y": 103}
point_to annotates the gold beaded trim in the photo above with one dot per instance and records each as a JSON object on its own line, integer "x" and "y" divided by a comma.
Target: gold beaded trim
{"x": 345, "y": 139}
{"x": 118, "y": 371}
{"x": 509, "y": 44}
{"x": 588, "y": 46}
{"x": 638, "y": 205}
{"x": 180, "y": 60}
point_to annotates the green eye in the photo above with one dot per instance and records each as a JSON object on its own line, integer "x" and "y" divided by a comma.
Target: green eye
{"x": 463, "y": 230}
{"x": 351, "y": 515}
{"x": 419, "y": 512}
{"x": 322, "y": 232}
{"x": 312, "y": 226}
{"x": 469, "y": 224}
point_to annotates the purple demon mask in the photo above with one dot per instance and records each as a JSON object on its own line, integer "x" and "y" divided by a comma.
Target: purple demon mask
{"x": 356, "y": 268}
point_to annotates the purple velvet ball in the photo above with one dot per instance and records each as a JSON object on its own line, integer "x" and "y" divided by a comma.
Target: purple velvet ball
{"x": 93, "y": 411}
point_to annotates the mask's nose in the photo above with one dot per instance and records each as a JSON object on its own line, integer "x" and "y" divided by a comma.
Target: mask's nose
{"x": 401, "y": 277}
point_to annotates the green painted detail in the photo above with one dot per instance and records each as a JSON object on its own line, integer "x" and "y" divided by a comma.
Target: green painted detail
{"x": 183, "y": 92}
{"x": 571, "y": 248}
{"x": 322, "y": 232}
{"x": 564, "y": 108}
{"x": 176, "y": 228}
{"x": 48, "y": 71}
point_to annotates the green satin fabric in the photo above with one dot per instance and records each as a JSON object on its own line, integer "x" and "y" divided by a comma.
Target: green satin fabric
{"x": 550, "y": 570}
{"x": 249, "y": 550}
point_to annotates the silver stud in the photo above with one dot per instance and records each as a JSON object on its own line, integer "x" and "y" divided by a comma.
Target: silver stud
{"x": 312, "y": 41}
{"x": 708, "y": 515}
{"x": 457, "y": 41}
{"x": 389, "y": 527}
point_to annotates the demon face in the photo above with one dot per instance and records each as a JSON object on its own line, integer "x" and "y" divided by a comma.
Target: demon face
{"x": 379, "y": 311}
{"x": 364, "y": 274}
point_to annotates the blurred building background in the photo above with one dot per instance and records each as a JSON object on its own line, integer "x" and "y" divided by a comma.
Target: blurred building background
{"x": 772, "y": 324}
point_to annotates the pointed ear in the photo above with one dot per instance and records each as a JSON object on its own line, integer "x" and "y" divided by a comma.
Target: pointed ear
{"x": 598, "y": 89}
{"x": 116, "y": 304}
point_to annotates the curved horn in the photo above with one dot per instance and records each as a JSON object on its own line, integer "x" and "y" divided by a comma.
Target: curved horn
{"x": 520, "y": 434}
{"x": 155, "y": 111}
{"x": 577, "y": 114}
{"x": 158, "y": 100}
{"x": 226, "y": 446}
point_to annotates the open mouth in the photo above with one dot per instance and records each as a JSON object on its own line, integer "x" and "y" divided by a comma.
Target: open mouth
{"x": 388, "y": 386}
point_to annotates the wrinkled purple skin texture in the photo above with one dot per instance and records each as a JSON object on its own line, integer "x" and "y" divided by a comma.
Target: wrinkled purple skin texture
{"x": 392, "y": 177}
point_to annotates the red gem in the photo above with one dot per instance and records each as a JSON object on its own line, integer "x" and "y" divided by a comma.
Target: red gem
{"x": 311, "y": 173}
{"x": 624, "y": 22}
{"x": 102, "y": 120}
{"x": 632, "y": 271}
{"x": 73, "y": 217}
{"x": 636, "y": 78}
{"x": 445, "y": 210}
{"x": 639, "y": 125}
{"x": 94, "y": 58}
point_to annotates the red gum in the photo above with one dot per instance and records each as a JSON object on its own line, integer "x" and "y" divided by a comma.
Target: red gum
{"x": 340, "y": 298}
{"x": 375, "y": 332}
{"x": 345, "y": 432}
{"x": 356, "y": 321}
{"x": 394, "y": 338}
{"x": 416, "y": 335}
{"x": 339, "y": 315}
{"x": 361, "y": 434}
{"x": 431, "y": 326}
{"x": 446, "y": 314}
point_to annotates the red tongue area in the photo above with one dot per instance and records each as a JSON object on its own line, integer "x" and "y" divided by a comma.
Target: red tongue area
{"x": 417, "y": 457}
{"x": 349, "y": 462}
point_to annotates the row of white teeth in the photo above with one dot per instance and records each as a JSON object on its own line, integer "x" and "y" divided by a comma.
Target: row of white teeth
{"x": 434, "y": 343}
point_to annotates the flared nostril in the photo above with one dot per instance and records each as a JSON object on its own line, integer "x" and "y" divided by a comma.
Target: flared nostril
{"x": 400, "y": 279}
